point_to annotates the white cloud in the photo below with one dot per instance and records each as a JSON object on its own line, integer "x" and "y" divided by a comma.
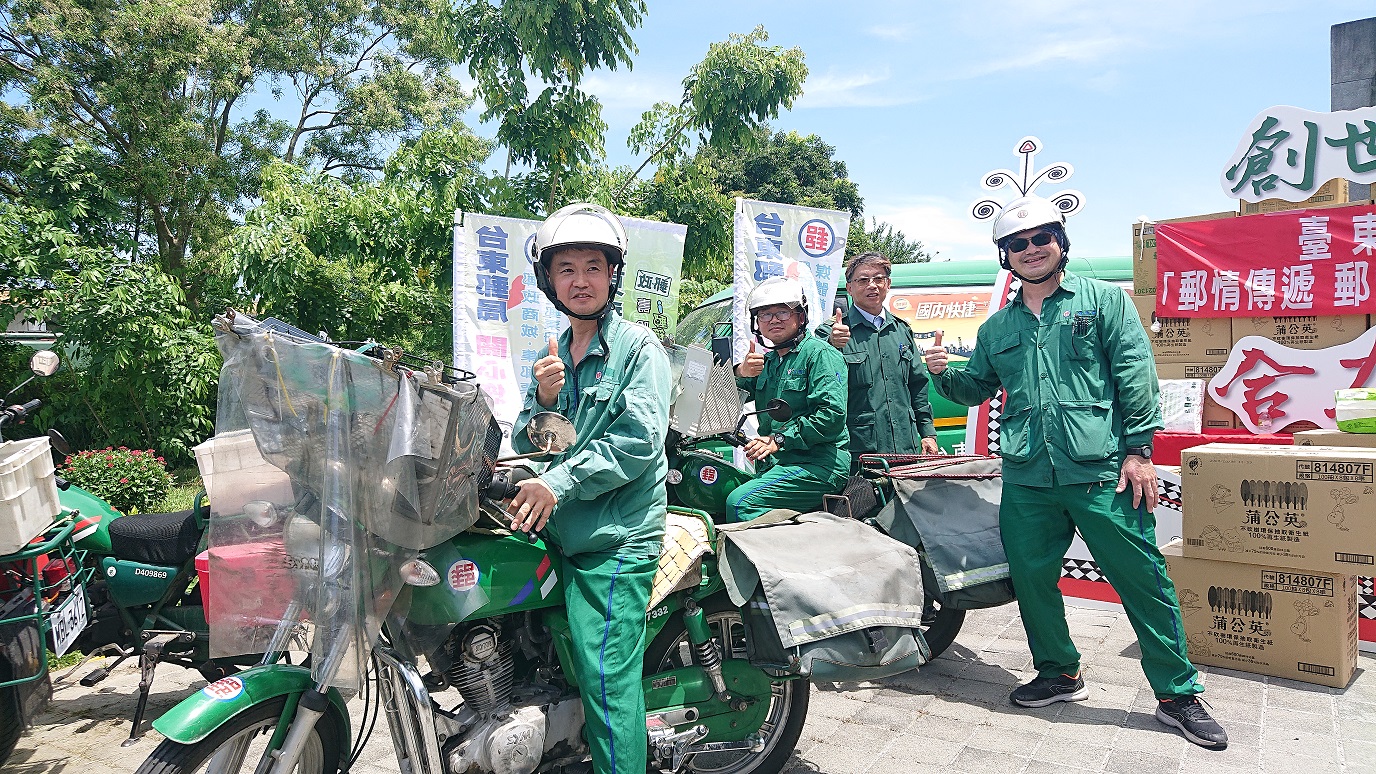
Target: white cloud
{"x": 898, "y": 32}
{"x": 853, "y": 89}
{"x": 941, "y": 224}
{"x": 627, "y": 91}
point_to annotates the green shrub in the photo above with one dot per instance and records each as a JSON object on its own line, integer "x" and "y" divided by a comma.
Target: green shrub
{"x": 132, "y": 481}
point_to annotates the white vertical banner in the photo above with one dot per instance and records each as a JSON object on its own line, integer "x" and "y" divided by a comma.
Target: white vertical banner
{"x": 785, "y": 240}
{"x": 503, "y": 323}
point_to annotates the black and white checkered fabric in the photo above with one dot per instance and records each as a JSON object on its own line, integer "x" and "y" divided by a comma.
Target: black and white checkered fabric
{"x": 1366, "y": 598}
{"x": 1082, "y": 569}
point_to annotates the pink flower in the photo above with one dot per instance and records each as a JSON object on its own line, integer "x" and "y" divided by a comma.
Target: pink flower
{"x": 109, "y": 464}
{"x": 124, "y": 480}
{"x": 160, "y": 459}
{"x": 137, "y": 453}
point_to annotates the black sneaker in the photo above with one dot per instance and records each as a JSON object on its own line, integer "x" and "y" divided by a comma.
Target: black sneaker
{"x": 1188, "y": 715}
{"x": 1049, "y": 690}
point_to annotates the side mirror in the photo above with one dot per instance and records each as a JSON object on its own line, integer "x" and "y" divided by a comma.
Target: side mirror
{"x": 721, "y": 343}
{"x": 59, "y": 443}
{"x": 778, "y": 410}
{"x": 551, "y": 432}
{"x": 44, "y": 362}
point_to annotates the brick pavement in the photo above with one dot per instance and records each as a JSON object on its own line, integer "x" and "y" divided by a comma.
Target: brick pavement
{"x": 952, "y": 716}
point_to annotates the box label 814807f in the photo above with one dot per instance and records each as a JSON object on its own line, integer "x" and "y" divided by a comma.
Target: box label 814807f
{"x": 1297, "y": 583}
{"x": 1335, "y": 470}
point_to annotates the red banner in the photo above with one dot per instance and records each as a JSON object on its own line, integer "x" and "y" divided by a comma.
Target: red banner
{"x": 1294, "y": 262}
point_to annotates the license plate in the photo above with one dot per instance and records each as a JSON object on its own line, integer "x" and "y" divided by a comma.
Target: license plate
{"x": 68, "y": 620}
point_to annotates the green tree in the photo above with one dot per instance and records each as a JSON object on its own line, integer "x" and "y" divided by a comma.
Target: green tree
{"x": 884, "y": 238}
{"x": 362, "y": 259}
{"x": 508, "y": 45}
{"x": 157, "y": 86}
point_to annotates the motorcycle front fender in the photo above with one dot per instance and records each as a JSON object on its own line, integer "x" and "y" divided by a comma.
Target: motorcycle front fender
{"x": 199, "y": 714}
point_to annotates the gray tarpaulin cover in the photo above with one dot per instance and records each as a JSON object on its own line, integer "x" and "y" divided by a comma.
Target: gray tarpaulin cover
{"x": 822, "y": 575}
{"x": 956, "y": 521}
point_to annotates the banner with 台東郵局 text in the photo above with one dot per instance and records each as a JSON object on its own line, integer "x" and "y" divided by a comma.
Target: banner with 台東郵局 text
{"x": 1293, "y": 262}
{"x": 785, "y": 240}
{"x": 503, "y": 323}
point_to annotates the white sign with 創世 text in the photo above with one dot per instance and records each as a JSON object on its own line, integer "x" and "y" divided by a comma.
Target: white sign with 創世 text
{"x": 1288, "y": 153}
{"x": 1270, "y": 386}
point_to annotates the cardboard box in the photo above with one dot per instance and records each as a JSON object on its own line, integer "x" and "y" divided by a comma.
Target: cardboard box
{"x": 1303, "y": 507}
{"x": 1330, "y": 194}
{"x": 1302, "y": 332}
{"x": 1185, "y": 339}
{"x": 1144, "y": 251}
{"x": 1215, "y": 416}
{"x": 1335, "y": 438}
{"x": 1269, "y": 620}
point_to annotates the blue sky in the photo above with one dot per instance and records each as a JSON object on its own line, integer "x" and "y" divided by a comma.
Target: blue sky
{"x": 1146, "y": 100}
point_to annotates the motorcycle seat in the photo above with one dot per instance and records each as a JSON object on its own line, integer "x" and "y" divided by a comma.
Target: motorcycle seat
{"x": 168, "y": 539}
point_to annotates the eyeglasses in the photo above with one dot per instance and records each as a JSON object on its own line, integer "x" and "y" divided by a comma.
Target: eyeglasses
{"x": 1040, "y": 240}
{"x": 867, "y": 281}
{"x": 782, "y": 314}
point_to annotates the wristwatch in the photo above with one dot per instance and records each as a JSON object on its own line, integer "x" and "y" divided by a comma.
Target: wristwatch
{"x": 778, "y": 440}
{"x": 1140, "y": 451}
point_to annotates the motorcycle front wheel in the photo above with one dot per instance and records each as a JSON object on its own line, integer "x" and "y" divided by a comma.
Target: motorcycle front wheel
{"x": 238, "y": 745}
{"x": 787, "y": 704}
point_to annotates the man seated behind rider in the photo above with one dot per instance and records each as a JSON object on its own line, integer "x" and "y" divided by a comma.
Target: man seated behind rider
{"x": 603, "y": 500}
{"x": 809, "y": 451}
{"x": 889, "y": 411}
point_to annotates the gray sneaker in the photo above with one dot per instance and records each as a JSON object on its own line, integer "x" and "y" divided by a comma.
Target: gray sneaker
{"x": 1049, "y": 690}
{"x": 1188, "y": 715}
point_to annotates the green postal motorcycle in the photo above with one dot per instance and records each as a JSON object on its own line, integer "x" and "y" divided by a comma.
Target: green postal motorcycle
{"x": 389, "y": 562}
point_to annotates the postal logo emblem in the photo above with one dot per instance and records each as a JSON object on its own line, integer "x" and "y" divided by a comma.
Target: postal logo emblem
{"x": 463, "y": 575}
{"x": 224, "y": 689}
{"x": 816, "y": 238}
{"x": 708, "y": 475}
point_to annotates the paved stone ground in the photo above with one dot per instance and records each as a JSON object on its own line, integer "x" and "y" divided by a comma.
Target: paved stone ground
{"x": 952, "y": 716}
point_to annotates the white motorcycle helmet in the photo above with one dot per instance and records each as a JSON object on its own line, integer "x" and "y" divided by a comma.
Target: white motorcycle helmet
{"x": 774, "y": 291}
{"x": 581, "y": 225}
{"x": 1030, "y": 212}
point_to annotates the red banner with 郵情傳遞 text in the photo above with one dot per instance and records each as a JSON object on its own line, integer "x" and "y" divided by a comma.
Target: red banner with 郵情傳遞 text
{"x": 1294, "y": 262}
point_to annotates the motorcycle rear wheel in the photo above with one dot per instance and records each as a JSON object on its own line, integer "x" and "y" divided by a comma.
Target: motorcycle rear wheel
{"x": 11, "y": 725}
{"x": 788, "y": 703}
{"x": 237, "y": 746}
{"x": 942, "y": 632}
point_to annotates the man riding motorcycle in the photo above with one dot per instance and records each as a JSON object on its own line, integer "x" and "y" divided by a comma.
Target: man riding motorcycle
{"x": 810, "y": 450}
{"x": 602, "y": 501}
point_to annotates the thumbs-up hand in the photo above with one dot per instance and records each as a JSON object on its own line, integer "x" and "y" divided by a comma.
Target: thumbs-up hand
{"x": 752, "y": 366}
{"x": 935, "y": 357}
{"x": 840, "y": 332}
{"x": 549, "y": 376}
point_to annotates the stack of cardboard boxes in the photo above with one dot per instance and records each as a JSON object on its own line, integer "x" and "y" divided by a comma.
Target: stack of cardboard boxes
{"x": 1273, "y": 540}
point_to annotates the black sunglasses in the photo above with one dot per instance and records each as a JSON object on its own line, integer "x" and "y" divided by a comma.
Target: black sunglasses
{"x": 1040, "y": 240}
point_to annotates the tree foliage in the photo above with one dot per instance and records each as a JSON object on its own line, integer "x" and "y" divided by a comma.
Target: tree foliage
{"x": 884, "y": 238}
{"x": 158, "y": 87}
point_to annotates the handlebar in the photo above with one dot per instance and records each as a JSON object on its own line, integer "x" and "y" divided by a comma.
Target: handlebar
{"x": 506, "y": 482}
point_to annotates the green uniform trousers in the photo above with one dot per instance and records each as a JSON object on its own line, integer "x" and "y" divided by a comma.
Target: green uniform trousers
{"x": 606, "y": 595}
{"x": 782, "y": 486}
{"x": 1038, "y": 524}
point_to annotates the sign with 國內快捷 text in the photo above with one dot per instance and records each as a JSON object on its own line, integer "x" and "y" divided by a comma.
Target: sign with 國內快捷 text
{"x": 1288, "y": 263}
{"x": 503, "y": 322}
{"x": 785, "y": 240}
{"x": 1288, "y": 153}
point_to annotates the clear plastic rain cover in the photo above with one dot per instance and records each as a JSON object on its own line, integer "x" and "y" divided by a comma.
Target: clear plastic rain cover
{"x": 355, "y": 465}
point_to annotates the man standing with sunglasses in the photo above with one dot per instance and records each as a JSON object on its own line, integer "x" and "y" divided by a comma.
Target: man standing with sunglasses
{"x": 888, "y": 410}
{"x": 1075, "y": 434}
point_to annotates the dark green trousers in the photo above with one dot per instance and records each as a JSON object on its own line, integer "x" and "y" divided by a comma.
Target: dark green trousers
{"x": 606, "y": 595}
{"x": 782, "y": 486}
{"x": 1038, "y": 524}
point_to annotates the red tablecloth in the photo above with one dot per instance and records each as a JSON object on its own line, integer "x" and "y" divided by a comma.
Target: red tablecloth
{"x": 1166, "y": 447}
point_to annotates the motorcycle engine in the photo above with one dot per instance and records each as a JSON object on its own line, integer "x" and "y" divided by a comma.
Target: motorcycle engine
{"x": 482, "y": 669}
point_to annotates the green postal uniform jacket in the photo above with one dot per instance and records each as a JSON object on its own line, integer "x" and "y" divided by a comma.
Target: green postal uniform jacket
{"x": 888, "y": 409}
{"x": 1081, "y": 383}
{"x": 610, "y": 484}
{"x": 812, "y": 378}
